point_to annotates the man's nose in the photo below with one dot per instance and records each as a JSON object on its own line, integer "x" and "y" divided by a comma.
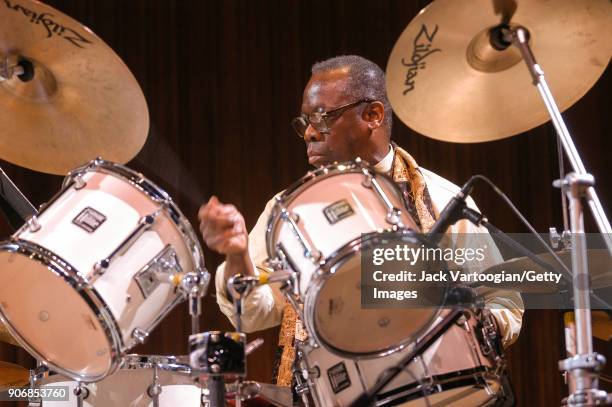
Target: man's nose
{"x": 311, "y": 134}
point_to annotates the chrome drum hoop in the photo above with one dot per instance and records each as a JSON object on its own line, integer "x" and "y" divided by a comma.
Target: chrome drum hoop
{"x": 305, "y": 182}
{"x": 63, "y": 269}
{"x": 169, "y": 363}
{"x": 326, "y": 271}
{"x": 477, "y": 378}
{"x": 153, "y": 192}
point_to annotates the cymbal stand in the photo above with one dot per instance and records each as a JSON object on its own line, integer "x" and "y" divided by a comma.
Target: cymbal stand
{"x": 584, "y": 366}
{"x": 504, "y": 36}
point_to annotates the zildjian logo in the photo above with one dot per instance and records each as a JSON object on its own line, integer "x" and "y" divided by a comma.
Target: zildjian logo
{"x": 52, "y": 27}
{"x": 422, "y": 49}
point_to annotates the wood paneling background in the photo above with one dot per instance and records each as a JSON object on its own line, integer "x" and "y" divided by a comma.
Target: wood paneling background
{"x": 223, "y": 79}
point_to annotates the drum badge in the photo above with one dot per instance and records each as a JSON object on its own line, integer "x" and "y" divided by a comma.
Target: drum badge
{"x": 338, "y": 211}
{"x": 89, "y": 219}
{"x": 338, "y": 377}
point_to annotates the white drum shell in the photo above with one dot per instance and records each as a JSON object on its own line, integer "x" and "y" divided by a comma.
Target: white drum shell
{"x": 329, "y": 284}
{"x": 77, "y": 320}
{"x": 309, "y": 202}
{"x": 129, "y": 388}
{"x": 457, "y": 354}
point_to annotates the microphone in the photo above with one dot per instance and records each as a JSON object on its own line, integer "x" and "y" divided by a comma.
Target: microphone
{"x": 451, "y": 213}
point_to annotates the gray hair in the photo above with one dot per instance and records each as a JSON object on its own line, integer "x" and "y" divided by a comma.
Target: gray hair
{"x": 365, "y": 80}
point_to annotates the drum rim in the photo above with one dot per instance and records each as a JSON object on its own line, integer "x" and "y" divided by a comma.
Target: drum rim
{"x": 322, "y": 172}
{"x": 329, "y": 266}
{"x": 438, "y": 384}
{"x": 169, "y": 363}
{"x": 70, "y": 275}
{"x": 135, "y": 179}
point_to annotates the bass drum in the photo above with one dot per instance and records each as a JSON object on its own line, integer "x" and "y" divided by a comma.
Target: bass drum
{"x": 465, "y": 367}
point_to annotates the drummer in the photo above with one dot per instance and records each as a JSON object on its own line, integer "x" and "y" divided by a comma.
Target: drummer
{"x": 345, "y": 114}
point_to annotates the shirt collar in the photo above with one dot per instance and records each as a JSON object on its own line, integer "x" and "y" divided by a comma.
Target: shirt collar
{"x": 386, "y": 163}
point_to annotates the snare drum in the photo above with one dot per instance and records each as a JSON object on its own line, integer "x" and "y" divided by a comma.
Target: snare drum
{"x": 91, "y": 275}
{"x": 462, "y": 368}
{"x": 139, "y": 377}
{"x": 317, "y": 228}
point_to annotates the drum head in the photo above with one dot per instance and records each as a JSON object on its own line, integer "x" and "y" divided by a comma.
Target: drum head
{"x": 52, "y": 319}
{"x": 338, "y": 320}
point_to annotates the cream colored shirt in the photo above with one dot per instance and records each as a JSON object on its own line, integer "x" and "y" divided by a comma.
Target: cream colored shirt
{"x": 263, "y": 307}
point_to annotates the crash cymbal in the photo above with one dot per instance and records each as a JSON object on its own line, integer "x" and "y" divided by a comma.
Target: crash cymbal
{"x": 12, "y": 375}
{"x": 599, "y": 262}
{"x": 80, "y": 102}
{"x": 446, "y": 81}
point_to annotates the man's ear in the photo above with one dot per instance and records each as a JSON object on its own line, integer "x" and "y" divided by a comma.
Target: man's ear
{"x": 374, "y": 114}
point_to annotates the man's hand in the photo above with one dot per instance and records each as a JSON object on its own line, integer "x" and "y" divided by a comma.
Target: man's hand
{"x": 223, "y": 228}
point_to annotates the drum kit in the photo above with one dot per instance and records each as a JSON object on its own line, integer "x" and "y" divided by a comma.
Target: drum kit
{"x": 91, "y": 273}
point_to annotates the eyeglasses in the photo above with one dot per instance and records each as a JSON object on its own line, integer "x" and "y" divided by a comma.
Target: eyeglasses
{"x": 320, "y": 121}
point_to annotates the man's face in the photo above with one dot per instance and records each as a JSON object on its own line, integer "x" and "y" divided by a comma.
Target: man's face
{"x": 348, "y": 133}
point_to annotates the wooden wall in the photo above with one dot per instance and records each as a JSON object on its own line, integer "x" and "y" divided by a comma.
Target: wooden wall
{"x": 223, "y": 79}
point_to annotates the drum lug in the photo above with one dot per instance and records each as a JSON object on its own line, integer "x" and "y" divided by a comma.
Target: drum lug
{"x": 309, "y": 252}
{"x": 140, "y": 335}
{"x": 393, "y": 214}
{"x": 81, "y": 392}
{"x": 144, "y": 224}
{"x": 79, "y": 182}
{"x": 367, "y": 180}
{"x": 33, "y": 224}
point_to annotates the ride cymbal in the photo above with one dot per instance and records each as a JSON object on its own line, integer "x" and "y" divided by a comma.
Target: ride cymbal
{"x": 68, "y": 97}
{"x": 446, "y": 81}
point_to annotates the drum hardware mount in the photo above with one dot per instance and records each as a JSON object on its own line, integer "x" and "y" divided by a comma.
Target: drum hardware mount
{"x": 561, "y": 240}
{"x": 140, "y": 335}
{"x": 154, "y": 389}
{"x": 81, "y": 392}
{"x": 215, "y": 356}
{"x": 35, "y": 376}
{"x": 194, "y": 284}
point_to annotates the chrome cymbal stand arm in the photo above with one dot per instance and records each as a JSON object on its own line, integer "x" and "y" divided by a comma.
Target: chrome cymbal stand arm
{"x": 519, "y": 37}
{"x": 583, "y": 368}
